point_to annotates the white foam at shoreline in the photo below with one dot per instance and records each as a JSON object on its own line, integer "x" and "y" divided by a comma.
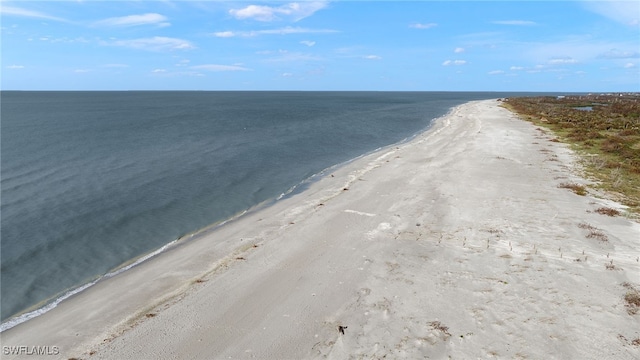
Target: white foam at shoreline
{"x": 50, "y": 306}
{"x": 32, "y": 314}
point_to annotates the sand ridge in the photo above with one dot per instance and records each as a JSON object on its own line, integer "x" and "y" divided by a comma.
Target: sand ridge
{"x": 456, "y": 244}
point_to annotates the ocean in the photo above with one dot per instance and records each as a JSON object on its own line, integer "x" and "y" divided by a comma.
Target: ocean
{"x": 92, "y": 181}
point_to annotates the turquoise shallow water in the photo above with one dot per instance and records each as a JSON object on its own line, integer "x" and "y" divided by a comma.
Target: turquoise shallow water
{"x": 92, "y": 180}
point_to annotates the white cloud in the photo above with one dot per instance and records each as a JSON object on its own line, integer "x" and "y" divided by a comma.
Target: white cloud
{"x": 15, "y": 67}
{"x": 496, "y": 72}
{"x": 515, "y": 68}
{"x": 423, "y": 26}
{"x": 287, "y": 74}
{"x": 624, "y": 12}
{"x": 372, "y": 57}
{"x": 582, "y": 49}
{"x": 629, "y": 65}
{"x": 514, "y": 22}
{"x": 536, "y": 69}
{"x": 261, "y": 13}
{"x": 294, "y": 11}
{"x": 81, "y": 71}
{"x": 225, "y": 34}
{"x": 69, "y": 40}
{"x": 562, "y": 60}
{"x": 454, "y": 62}
{"x": 216, "y": 67}
{"x": 619, "y": 54}
{"x": 156, "y": 43}
{"x": 308, "y": 43}
{"x": 282, "y": 31}
{"x": 458, "y": 50}
{"x": 14, "y": 11}
{"x": 135, "y": 20}
{"x": 156, "y": 71}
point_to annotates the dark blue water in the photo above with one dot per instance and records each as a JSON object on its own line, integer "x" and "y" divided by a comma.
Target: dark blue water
{"x": 91, "y": 180}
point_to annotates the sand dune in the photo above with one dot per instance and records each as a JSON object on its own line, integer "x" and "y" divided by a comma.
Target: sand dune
{"x": 457, "y": 244}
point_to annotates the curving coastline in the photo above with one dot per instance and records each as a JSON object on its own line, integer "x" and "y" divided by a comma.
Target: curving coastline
{"x": 458, "y": 242}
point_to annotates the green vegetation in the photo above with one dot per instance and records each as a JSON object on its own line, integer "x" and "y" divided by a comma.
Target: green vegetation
{"x": 604, "y": 129}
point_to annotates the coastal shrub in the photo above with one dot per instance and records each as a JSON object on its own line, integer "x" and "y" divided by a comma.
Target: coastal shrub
{"x": 608, "y": 136}
{"x": 594, "y": 233}
{"x": 576, "y": 188}
{"x": 631, "y": 298}
{"x": 607, "y": 211}
{"x": 586, "y": 226}
{"x": 612, "y": 144}
{"x": 437, "y": 325}
{"x": 597, "y": 234}
{"x": 629, "y": 132}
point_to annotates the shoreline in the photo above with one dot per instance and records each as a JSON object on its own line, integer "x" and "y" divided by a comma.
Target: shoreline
{"x": 414, "y": 226}
{"x": 49, "y": 304}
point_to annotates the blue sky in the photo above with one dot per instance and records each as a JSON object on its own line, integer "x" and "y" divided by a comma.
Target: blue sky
{"x": 321, "y": 45}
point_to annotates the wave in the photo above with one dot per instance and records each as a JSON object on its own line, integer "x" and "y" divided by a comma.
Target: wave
{"x": 50, "y": 306}
{"x": 17, "y": 320}
{"x": 146, "y": 180}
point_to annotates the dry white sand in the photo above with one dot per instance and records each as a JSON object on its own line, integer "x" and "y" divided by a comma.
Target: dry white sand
{"x": 458, "y": 244}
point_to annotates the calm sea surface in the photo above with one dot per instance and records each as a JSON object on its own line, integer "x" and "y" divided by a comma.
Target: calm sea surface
{"x": 92, "y": 180}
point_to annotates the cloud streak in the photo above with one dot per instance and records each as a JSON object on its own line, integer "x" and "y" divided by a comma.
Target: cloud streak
{"x": 134, "y": 20}
{"x": 454, "y": 62}
{"x": 423, "y": 26}
{"x": 619, "y": 54}
{"x": 14, "y": 11}
{"x": 157, "y": 43}
{"x": 624, "y": 12}
{"x": 295, "y": 11}
{"x": 283, "y": 31}
{"x": 218, "y": 68}
{"x": 562, "y": 61}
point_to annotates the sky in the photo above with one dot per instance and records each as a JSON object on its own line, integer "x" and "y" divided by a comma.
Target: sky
{"x": 566, "y": 46}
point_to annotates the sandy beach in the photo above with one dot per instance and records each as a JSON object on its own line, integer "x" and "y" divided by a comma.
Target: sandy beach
{"x": 458, "y": 244}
